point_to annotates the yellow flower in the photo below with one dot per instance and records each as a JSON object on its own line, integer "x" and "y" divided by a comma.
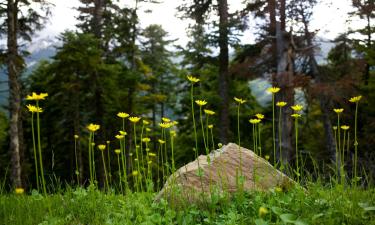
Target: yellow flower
{"x": 209, "y": 112}
{"x": 210, "y": 126}
{"x": 165, "y": 125}
{"x": 134, "y": 119}
{"x": 278, "y": 190}
{"x": 19, "y": 191}
{"x": 151, "y": 154}
{"x": 119, "y": 137}
{"x": 273, "y": 90}
{"x": 334, "y": 127}
{"x": 122, "y": 115}
{"x": 34, "y": 109}
{"x": 146, "y": 139}
{"x": 101, "y": 147}
{"x": 108, "y": 142}
{"x": 201, "y": 102}
{"x": 161, "y": 141}
{"x": 193, "y": 79}
{"x": 93, "y": 127}
{"x": 117, "y": 151}
{"x": 259, "y": 116}
{"x": 36, "y": 97}
{"x": 267, "y": 157}
{"x": 239, "y": 100}
{"x": 254, "y": 121}
{"x": 174, "y": 123}
{"x": 338, "y": 111}
{"x": 165, "y": 120}
{"x": 145, "y": 122}
{"x": 149, "y": 162}
{"x": 123, "y": 133}
{"x": 172, "y": 133}
{"x": 281, "y": 104}
{"x": 76, "y": 136}
{"x": 148, "y": 129}
{"x": 345, "y": 127}
{"x": 262, "y": 211}
{"x": 135, "y": 173}
{"x": 296, "y": 115}
{"x": 297, "y": 107}
{"x": 355, "y": 99}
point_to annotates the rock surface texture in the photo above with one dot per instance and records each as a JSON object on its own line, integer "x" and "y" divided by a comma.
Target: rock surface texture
{"x": 223, "y": 172}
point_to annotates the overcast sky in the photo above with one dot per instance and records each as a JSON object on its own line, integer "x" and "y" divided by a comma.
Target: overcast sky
{"x": 330, "y": 17}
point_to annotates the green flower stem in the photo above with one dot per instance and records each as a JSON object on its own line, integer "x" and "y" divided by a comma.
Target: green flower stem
{"x": 162, "y": 161}
{"x": 336, "y": 154}
{"x": 105, "y": 172}
{"x": 109, "y": 162}
{"x": 203, "y": 134}
{"x": 35, "y": 156}
{"x": 339, "y": 138}
{"x": 90, "y": 160}
{"x": 212, "y": 139}
{"x": 273, "y": 129}
{"x": 239, "y": 136}
{"x": 260, "y": 143}
{"x": 280, "y": 135}
{"x": 254, "y": 142}
{"x": 297, "y": 154}
{"x": 141, "y": 148}
{"x": 93, "y": 158}
{"x": 355, "y": 143}
{"x": 75, "y": 154}
{"x": 119, "y": 173}
{"x": 40, "y": 151}
{"x": 192, "y": 113}
{"x": 123, "y": 161}
{"x": 207, "y": 116}
{"x": 139, "y": 176}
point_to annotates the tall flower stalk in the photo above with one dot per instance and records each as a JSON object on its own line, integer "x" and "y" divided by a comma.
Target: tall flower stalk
{"x": 118, "y": 152}
{"x": 135, "y": 120}
{"x": 338, "y": 152}
{"x": 273, "y": 91}
{"x": 38, "y": 97}
{"x": 109, "y": 160}
{"x": 239, "y": 102}
{"x": 280, "y": 129}
{"x": 296, "y": 116}
{"x": 33, "y": 109}
{"x": 345, "y": 129}
{"x": 355, "y": 100}
{"x": 76, "y": 157}
{"x": 102, "y": 148}
{"x": 92, "y": 128}
{"x": 202, "y": 103}
{"x": 259, "y": 117}
{"x": 193, "y": 80}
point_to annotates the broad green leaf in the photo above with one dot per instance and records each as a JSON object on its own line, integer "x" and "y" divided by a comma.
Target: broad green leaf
{"x": 288, "y": 218}
{"x": 260, "y": 222}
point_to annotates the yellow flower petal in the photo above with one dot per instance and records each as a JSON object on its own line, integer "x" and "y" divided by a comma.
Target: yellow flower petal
{"x": 273, "y": 90}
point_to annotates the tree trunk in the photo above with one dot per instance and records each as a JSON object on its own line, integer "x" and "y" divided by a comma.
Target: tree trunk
{"x": 223, "y": 70}
{"x": 14, "y": 68}
{"x": 98, "y": 17}
{"x": 284, "y": 79}
{"x": 324, "y": 101}
{"x": 366, "y": 75}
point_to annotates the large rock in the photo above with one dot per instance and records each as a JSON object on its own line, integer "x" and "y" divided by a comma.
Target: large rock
{"x": 223, "y": 173}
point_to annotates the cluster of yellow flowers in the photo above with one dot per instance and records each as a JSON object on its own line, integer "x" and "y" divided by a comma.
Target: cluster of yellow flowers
{"x": 35, "y": 97}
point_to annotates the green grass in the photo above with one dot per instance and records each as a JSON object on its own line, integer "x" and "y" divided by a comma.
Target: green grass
{"x": 315, "y": 205}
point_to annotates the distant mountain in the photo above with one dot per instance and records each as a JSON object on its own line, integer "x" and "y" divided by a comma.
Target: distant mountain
{"x": 39, "y": 49}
